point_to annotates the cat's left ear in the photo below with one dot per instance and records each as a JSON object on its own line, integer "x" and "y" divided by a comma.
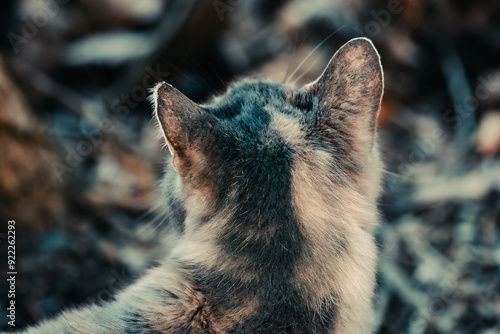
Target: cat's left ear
{"x": 352, "y": 84}
{"x": 186, "y": 126}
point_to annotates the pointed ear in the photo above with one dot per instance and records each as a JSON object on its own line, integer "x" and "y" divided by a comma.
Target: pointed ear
{"x": 183, "y": 123}
{"x": 352, "y": 83}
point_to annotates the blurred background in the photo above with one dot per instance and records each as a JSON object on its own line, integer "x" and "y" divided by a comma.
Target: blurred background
{"x": 80, "y": 155}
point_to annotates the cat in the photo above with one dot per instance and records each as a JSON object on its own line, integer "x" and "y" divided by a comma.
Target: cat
{"x": 273, "y": 190}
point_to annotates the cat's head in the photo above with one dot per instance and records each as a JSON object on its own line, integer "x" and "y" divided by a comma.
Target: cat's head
{"x": 263, "y": 145}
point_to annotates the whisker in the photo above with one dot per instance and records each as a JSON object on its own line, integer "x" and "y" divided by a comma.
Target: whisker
{"x": 184, "y": 75}
{"x": 151, "y": 223}
{"x": 144, "y": 215}
{"x": 396, "y": 175}
{"x": 148, "y": 212}
{"x": 314, "y": 50}
{"x": 217, "y": 74}
{"x": 305, "y": 72}
{"x": 160, "y": 224}
{"x": 295, "y": 48}
{"x": 201, "y": 72}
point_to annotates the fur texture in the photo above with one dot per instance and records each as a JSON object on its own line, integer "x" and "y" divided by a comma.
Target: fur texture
{"x": 273, "y": 191}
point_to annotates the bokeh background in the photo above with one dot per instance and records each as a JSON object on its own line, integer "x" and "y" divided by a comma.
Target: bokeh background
{"x": 80, "y": 155}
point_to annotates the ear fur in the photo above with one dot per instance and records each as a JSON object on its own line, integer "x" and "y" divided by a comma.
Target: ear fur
{"x": 182, "y": 122}
{"x": 352, "y": 83}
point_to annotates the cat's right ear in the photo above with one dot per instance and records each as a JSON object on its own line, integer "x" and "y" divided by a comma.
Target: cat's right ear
{"x": 352, "y": 86}
{"x": 185, "y": 126}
